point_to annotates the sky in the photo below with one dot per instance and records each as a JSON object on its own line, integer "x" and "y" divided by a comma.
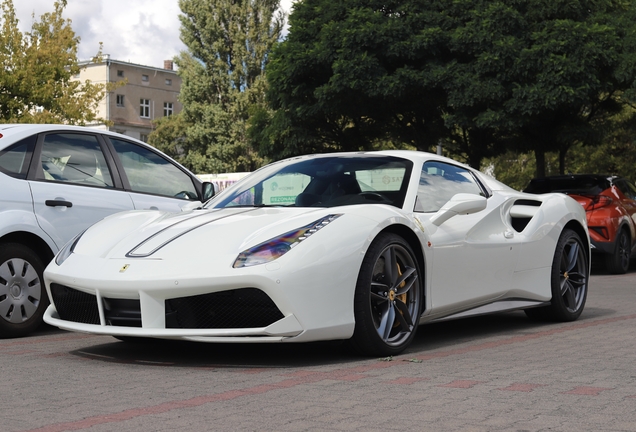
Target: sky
{"x": 144, "y": 32}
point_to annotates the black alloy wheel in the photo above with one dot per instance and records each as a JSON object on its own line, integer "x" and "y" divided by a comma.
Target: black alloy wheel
{"x": 388, "y": 297}
{"x": 569, "y": 280}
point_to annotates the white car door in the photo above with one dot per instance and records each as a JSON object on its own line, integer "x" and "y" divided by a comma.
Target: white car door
{"x": 153, "y": 182}
{"x": 474, "y": 255}
{"x": 73, "y": 187}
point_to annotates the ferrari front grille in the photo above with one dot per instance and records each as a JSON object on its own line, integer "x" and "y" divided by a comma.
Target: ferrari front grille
{"x": 122, "y": 312}
{"x": 73, "y": 305}
{"x": 240, "y": 308}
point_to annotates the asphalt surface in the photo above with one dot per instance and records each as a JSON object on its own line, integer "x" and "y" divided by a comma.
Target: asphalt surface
{"x": 497, "y": 373}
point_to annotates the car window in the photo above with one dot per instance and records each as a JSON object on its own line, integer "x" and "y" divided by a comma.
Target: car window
{"x": 148, "y": 172}
{"x": 439, "y": 182}
{"x": 326, "y": 182}
{"x": 631, "y": 190}
{"x": 282, "y": 189}
{"x": 626, "y": 188}
{"x": 73, "y": 158}
{"x": 15, "y": 160}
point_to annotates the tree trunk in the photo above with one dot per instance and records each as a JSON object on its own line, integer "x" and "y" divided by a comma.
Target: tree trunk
{"x": 562, "y": 153}
{"x": 540, "y": 158}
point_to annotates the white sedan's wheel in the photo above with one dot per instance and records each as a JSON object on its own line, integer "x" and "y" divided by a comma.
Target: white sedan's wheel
{"x": 23, "y": 298}
{"x": 570, "y": 276}
{"x": 388, "y": 297}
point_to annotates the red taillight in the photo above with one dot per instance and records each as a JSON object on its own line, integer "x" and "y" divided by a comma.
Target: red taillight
{"x": 0, "y": 135}
{"x": 598, "y": 202}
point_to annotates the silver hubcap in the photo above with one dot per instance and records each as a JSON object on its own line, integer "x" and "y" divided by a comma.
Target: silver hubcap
{"x": 20, "y": 290}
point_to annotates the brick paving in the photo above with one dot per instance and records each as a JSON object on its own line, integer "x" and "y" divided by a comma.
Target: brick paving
{"x": 495, "y": 373}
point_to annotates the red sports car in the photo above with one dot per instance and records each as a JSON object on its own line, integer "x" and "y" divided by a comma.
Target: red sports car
{"x": 610, "y": 206}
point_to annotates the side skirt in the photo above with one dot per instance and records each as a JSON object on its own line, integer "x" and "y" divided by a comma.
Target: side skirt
{"x": 500, "y": 306}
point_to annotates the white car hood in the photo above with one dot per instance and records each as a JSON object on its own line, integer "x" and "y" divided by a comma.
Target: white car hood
{"x": 157, "y": 235}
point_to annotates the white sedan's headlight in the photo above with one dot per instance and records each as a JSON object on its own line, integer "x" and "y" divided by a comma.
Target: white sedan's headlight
{"x": 67, "y": 250}
{"x": 278, "y": 246}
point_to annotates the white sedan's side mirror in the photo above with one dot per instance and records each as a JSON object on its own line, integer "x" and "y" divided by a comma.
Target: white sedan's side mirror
{"x": 461, "y": 203}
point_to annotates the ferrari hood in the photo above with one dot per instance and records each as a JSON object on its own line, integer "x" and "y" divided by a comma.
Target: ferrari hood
{"x": 156, "y": 235}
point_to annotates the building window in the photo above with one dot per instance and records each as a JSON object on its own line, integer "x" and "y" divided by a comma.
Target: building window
{"x": 120, "y": 73}
{"x": 167, "y": 109}
{"x": 144, "y": 108}
{"x": 120, "y": 100}
{"x": 144, "y": 78}
{"x": 168, "y": 81}
{"x": 143, "y": 137}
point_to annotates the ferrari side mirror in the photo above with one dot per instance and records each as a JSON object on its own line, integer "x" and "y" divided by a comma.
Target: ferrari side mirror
{"x": 461, "y": 203}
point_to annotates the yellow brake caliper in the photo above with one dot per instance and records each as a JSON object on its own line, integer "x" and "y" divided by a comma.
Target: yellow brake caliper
{"x": 401, "y": 297}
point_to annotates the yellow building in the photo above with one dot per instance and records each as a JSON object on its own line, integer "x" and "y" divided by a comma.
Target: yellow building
{"x": 149, "y": 93}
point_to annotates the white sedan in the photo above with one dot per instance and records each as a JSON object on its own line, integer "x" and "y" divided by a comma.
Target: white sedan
{"x": 56, "y": 181}
{"x": 356, "y": 246}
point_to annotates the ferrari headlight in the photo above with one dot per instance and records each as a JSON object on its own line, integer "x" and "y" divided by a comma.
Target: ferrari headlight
{"x": 278, "y": 246}
{"x": 67, "y": 250}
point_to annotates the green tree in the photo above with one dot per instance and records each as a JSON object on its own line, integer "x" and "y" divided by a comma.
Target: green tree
{"x": 616, "y": 155}
{"x": 352, "y": 74}
{"x": 483, "y": 76}
{"x": 228, "y": 43}
{"x": 36, "y": 76}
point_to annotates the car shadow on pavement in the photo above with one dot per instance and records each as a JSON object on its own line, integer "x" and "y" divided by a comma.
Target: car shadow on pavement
{"x": 598, "y": 267}
{"x": 430, "y": 337}
{"x": 160, "y": 352}
{"x": 447, "y": 334}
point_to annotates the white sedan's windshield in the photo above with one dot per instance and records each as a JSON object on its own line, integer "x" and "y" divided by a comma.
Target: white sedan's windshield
{"x": 324, "y": 182}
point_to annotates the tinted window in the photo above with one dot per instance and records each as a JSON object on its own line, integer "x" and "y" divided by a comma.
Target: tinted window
{"x": 148, "y": 172}
{"x": 439, "y": 182}
{"x": 626, "y": 188}
{"x": 327, "y": 182}
{"x": 74, "y": 158}
{"x": 15, "y": 160}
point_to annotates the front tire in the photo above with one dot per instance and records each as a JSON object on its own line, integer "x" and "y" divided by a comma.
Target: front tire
{"x": 23, "y": 298}
{"x": 388, "y": 298}
{"x": 569, "y": 280}
{"x": 618, "y": 262}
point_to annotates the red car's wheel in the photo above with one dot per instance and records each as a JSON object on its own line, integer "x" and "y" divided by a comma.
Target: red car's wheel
{"x": 618, "y": 262}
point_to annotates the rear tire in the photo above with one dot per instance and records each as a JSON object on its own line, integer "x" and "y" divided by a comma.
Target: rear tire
{"x": 23, "y": 297}
{"x": 569, "y": 280}
{"x": 388, "y": 298}
{"x": 618, "y": 262}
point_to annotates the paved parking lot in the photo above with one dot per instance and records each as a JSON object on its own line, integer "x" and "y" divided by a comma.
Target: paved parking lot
{"x": 496, "y": 373}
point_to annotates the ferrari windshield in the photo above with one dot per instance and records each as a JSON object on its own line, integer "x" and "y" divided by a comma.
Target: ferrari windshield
{"x": 327, "y": 181}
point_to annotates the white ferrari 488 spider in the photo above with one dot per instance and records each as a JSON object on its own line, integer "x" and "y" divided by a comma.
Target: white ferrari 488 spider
{"x": 356, "y": 246}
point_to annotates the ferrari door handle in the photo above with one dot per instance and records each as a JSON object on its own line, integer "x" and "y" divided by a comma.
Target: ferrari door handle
{"x": 509, "y": 234}
{"x": 58, "y": 203}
